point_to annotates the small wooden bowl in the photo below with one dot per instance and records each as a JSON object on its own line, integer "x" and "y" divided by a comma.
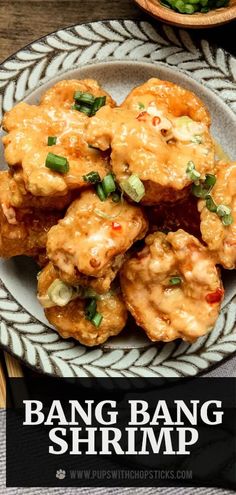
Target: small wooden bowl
{"x": 196, "y": 21}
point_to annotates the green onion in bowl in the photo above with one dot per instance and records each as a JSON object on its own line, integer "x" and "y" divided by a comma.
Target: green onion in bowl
{"x": 192, "y": 6}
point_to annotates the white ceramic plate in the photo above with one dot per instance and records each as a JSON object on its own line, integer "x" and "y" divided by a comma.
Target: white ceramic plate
{"x": 121, "y": 55}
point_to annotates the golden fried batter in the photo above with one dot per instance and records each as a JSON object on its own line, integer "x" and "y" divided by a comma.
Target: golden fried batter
{"x": 221, "y": 239}
{"x": 70, "y": 320}
{"x": 26, "y": 144}
{"x": 88, "y": 245}
{"x": 15, "y": 195}
{"x": 155, "y": 133}
{"x": 172, "y": 287}
{"x": 22, "y": 231}
{"x": 28, "y": 234}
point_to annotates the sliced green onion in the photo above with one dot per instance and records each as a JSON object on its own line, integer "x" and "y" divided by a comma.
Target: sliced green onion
{"x": 196, "y": 139}
{"x": 97, "y": 319}
{"x": 102, "y": 214}
{"x": 85, "y": 98}
{"x": 210, "y": 180}
{"x": 134, "y": 188}
{"x": 90, "y": 309}
{"x": 175, "y": 280}
{"x": 83, "y": 109}
{"x": 52, "y": 140}
{"x": 60, "y": 293}
{"x": 108, "y": 184}
{"x": 191, "y": 172}
{"x": 87, "y": 293}
{"x": 45, "y": 301}
{"x": 227, "y": 220}
{"x": 98, "y": 103}
{"x": 58, "y": 163}
{"x": 100, "y": 192}
{"x": 202, "y": 190}
{"x": 92, "y": 177}
{"x": 115, "y": 197}
{"x": 199, "y": 191}
{"x": 189, "y": 9}
{"x": 210, "y": 204}
{"x": 141, "y": 106}
{"x": 223, "y": 210}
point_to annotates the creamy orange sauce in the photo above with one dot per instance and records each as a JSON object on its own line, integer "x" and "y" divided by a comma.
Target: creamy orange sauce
{"x": 29, "y": 127}
{"x": 70, "y": 320}
{"x": 221, "y": 240}
{"x": 167, "y": 312}
{"x": 151, "y": 142}
{"x": 85, "y": 243}
{"x": 154, "y": 134}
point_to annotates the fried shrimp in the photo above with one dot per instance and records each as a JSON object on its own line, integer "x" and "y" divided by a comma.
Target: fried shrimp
{"x": 88, "y": 246}
{"x": 218, "y": 216}
{"x": 156, "y": 133}
{"x": 172, "y": 287}
{"x": 70, "y": 319}
{"x": 16, "y": 195}
{"x": 55, "y": 126}
{"x": 22, "y": 231}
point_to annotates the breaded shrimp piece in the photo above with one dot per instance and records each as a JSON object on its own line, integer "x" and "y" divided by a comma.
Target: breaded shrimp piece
{"x": 16, "y": 195}
{"x": 156, "y": 132}
{"x": 172, "y": 287}
{"x": 22, "y": 231}
{"x": 70, "y": 320}
{"x": 87, "y": 247}
{"x": 220, "y": 238}
{"x": 26, "y": 144}
{"x": 27, "y": 234}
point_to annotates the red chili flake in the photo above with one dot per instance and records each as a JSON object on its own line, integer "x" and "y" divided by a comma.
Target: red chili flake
{"x": 142, "y": 116}
{"x": 215, "y": 297}
{"x": 116, "y": 226}
{"x": 156, "y": 120}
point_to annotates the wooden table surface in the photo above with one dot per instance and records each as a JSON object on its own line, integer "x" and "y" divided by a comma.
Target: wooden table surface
{"x": 23, "y": 21}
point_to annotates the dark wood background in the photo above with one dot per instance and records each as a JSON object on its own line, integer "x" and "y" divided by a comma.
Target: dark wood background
{"x": 23, "y": 21}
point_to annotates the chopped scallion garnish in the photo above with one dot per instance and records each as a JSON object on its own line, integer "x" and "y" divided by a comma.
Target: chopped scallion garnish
{"x": 57, "y": 163}
{"x": 98, "y": 103}
{"x": 97, "y": 319}
{"x": 108, "y": 184}
{"x": 92, "y": 177}
{"x": 91, "y": 309}
{"x": 210, "y": 204}
{"x": 85, "y": 98}
{"x": 134, "y": 188}
{"x": 196, "y": 139}
{"x": 60, "y": 293}
{"x": 52, "y": 140}
{"x": 191, "y": 172}
{"x": 223, "y": 210}
{"x": 87, "y": 103}
{"x": 100, "y": 192}
{"x": 210, "y": 180}
{"x": 115, "y": 197}
{"x": 227, "y": 220}
{"x": 202, "y": 190}
{"x": 141, "y": 106}
{"x": 175, "y": 280}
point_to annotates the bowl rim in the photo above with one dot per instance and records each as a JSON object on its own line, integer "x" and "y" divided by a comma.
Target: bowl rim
{"x": 194, "y": 21}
